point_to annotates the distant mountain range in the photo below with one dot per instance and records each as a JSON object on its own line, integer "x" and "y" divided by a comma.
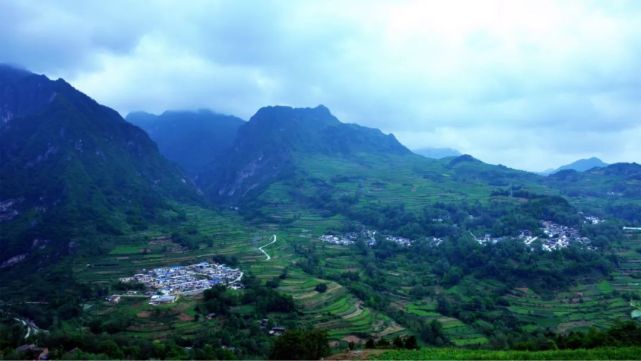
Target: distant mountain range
{"x": 437, "y": 153}
{"x": 192, "y": 139}
{"x": 580, "y": 165}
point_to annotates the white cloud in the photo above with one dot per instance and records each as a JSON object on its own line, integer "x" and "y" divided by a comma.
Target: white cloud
{"x": 529, "y": 84}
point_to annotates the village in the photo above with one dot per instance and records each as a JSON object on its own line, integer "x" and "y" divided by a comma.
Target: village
{"x": 166, "y": 284}
{"x": 559, "y": 236}
{"x": 369, "y": 236}
{"x": 556, "y": 236}
{"x": 552, "y": 236}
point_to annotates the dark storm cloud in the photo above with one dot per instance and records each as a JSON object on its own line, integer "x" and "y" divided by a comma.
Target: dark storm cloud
{"x": 526, "y": 83}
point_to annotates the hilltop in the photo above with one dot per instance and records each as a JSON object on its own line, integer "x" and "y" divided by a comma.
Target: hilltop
{"x": 580, "y": 165}
{"x": 268, "y": 147}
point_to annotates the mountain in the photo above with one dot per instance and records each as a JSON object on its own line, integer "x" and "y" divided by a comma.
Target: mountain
{"x": 287, "y": 161}
{"x": 268, "y": 146}
{"x": 192, "y": 139}
{"x": 437, "y": 153}
{"x": 580, "y": 165}
{"x": 71, "y": 168}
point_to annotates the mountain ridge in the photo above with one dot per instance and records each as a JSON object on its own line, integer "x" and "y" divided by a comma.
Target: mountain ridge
{"x": 580, "y": 165}
{"x": 266, "y": 145}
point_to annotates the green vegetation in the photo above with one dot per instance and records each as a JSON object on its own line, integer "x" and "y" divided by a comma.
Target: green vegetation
{"x": 300, "y": 345}
{"x": 619, "y": 342}
{"x": 608, "y": 353}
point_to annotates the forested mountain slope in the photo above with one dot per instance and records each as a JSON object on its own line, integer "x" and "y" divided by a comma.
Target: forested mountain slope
{"x": 192, "y": 139}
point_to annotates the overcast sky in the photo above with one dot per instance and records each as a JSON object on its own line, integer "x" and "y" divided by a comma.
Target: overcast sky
{"x": 528, "y": 84}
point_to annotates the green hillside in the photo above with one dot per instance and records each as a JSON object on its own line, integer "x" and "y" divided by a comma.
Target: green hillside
{"x": 74, "y": 176}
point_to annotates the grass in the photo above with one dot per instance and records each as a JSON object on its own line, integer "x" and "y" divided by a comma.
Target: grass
{"x": 618, "y": 353}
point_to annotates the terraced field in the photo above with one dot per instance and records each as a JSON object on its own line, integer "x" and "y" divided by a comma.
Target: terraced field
{"x": 153, "y": 248}
{"x": 582, "y": 307}
{"x": 586, "y": 305}
{"x": 336, "y": 309}
{"x": 455, "y": 330}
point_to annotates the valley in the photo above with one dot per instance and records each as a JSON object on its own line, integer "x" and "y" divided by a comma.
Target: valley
{"x": 297, "y": 224}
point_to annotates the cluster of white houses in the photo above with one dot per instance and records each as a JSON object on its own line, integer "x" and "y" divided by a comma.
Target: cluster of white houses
{"x": 368, "y": 236}
{"x": 167, "y": 283}
{"x": 556, "y": 236}
{"x": 559, "y": 236}
{"x": 337, "y": 240}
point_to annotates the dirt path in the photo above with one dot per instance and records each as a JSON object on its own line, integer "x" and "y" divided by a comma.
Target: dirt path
{"x": 267, "y": 256}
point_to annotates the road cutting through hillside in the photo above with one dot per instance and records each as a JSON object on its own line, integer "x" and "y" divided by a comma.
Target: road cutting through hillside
{"x": 268, "y": 257}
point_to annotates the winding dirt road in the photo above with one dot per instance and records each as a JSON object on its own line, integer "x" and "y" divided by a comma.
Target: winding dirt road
{"x": 267, "y": 256}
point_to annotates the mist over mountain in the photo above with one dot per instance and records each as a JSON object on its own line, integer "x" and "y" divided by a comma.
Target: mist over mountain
{"x": 437, "y": 153}
{"x": 192, "y": 139}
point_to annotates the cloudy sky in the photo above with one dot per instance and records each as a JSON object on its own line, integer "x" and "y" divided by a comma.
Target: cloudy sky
{"x": 528, "y": 84}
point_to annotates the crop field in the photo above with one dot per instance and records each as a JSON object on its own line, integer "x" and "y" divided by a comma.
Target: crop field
{"x": 458, "y": 332}
{"x": 337, "y": 310}
{"x": 586, "y": 305}
{"x": 582, "y": 307}
{"x": 618, "y": 353}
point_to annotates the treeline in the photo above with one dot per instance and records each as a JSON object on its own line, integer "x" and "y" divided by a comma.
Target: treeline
{"x": 621, "y": 334}
{"x": 264, "y": 299}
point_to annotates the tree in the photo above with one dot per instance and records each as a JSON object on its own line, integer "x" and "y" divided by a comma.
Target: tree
{"x": 398, "y": 342}
{"x": 369, "y": 343}
{"x": 410, "y": 342}
{"x": 321, "y": 287}
{"x": 309, "y": 344}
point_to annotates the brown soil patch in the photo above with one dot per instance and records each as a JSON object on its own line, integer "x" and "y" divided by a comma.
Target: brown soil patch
{"x": 523, "y": 290}
{"x": 352, "y": 338}
{"x": 143, "y": 314}
{"x": 568, "y": 326}
{"x": 185, "y": 317}
{"x": 355, "y": 355}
